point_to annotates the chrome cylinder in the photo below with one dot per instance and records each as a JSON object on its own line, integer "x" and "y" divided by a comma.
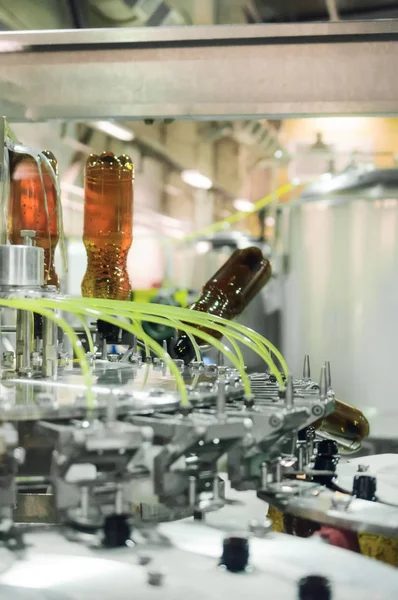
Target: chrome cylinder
{"x": 21, "y": 266}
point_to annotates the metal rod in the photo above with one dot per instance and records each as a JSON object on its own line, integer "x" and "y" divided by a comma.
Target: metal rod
{"x": 192, "y": 491}
{"x": 24, "y": 338}
{"x": 221, "y": 399}
{"x": 50, "y": 348}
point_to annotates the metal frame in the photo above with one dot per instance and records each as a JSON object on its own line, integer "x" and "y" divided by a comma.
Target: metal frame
{"x": 201, "y": 72}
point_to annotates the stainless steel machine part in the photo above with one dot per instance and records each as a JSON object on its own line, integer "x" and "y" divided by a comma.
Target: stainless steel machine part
{"x": 23, "y": 342}
{"x": 320, "y": 504}
{"x": 22, "y": 266}
{"x": 50, "y": 351}
{"x": 295, "y": 83}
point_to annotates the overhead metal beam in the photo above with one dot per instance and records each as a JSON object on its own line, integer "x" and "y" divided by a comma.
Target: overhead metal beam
{"x": 261, "y": 71}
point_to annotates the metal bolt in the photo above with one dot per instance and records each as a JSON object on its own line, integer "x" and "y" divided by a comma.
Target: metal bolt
{"x": 260, "y": 529}
{"x": 317, "y": 410}
{"x": 275, "y": 421}
{"x": 156, "y": 577}
{"x": 363, "y": 468}
{"x": 28, "y": 235}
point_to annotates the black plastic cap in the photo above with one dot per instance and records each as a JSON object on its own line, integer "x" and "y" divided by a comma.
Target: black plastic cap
{"x": 314, "y": 587}
{"x": 116, "y": 531}
{"x": 327, "y": 448}
{"x": 183, "y": 349}
{"x": 364, "y": 487}
{"x": 235, "y": 556}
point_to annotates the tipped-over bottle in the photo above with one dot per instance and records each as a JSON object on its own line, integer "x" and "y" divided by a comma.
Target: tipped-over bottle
{"x": 108, "y": 220}
{"x": 28, "y": 208}
{"x": 228, "y": 293}
{"x": 346, "y": 424}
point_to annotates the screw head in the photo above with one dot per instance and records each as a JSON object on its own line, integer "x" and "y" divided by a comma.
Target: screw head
{"x": 275, "y": 421}
{"x": 156, "y": 577}
{"x": 317, "y": 410}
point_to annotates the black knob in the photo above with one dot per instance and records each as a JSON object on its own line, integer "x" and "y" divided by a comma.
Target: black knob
{"x": 327, "y": 448}
{"x": 183, "y": 349}
{"x": 272, "y": 379}
{"x": 364, "y": 487}
{"x": 235, "y": 556}
{"x": 314, "y": 587}
{"x": 109, "y": 331}
{"x": 116, "y": 531}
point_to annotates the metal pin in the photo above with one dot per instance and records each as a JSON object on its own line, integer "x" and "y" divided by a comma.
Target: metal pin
{"x": 119, "y": 500}
{"x": 192, "y": 491}
{"x": 289, "y": 393}
{"x": 111, "y": 412}
{"x": 23, "y": 341}
{"x": 216, "y": 489}
{"x": 135, "y": 346}
{"x": 50, "y": 348}
{"x": 84, "y": 501}
{"x": 301, "y": 457}
{"x": 307, "y": 368}
{"x": 220, "y": 359}
{"x": 164, "y": 346}
{"x": 264, "y": 475}
{"x": 328, "y": 375}
{"x": 104, "y": 349}
{"x": 323, "y": 384}
{"x": 278, "y": 470}
{"x": 220, "y": 406}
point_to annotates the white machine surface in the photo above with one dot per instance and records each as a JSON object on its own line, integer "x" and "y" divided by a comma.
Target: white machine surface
{"x": 382, "y": 466}
{"x": 53, "y": 568}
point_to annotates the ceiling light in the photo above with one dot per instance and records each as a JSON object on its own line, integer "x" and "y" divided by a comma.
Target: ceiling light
{"x": 244, "y": 205}
{"x": 196, "y": 179}
{"x": 278, "y": 154}
{"x": 114, "y": 130}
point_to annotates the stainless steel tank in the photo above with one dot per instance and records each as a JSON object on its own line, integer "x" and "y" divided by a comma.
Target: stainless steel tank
{"x": 340, "y": 288}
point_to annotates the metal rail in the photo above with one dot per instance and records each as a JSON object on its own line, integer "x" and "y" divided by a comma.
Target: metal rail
{"x": 201, "y": 72}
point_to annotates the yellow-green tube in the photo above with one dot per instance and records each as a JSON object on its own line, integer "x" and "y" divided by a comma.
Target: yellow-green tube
{"x": 203, "y": 319}
{"x": 156, "y": 347}
{"x": 238, "y": 362}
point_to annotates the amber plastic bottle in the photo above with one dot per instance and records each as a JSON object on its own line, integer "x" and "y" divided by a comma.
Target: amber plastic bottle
{"x": 28, "y": 210}
{"x": 108, "y": 220}
{"x": 347, "y": 425}
{"x": 228, "y": 293}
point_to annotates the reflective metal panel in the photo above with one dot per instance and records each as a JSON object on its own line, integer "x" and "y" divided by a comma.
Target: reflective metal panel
{"x": 340, "y": 293}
